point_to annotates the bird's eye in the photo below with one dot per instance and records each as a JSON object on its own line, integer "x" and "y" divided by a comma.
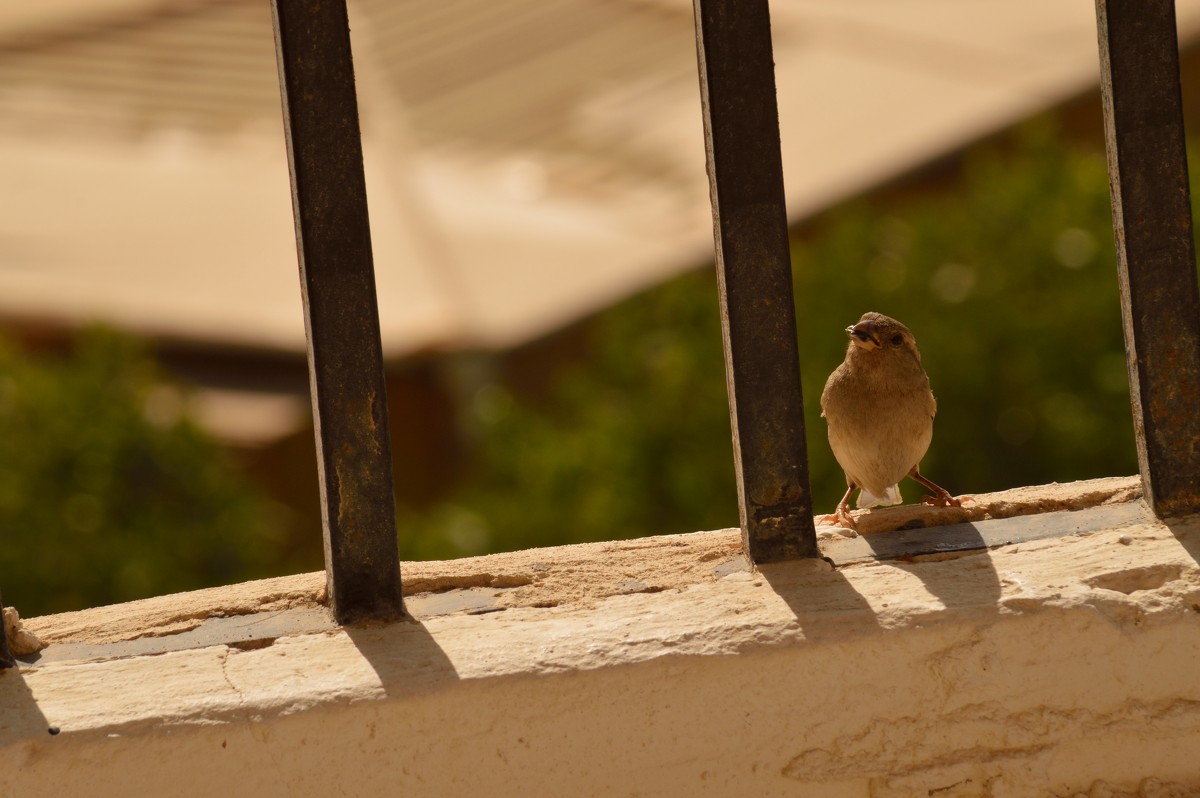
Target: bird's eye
{"x": 897, "y": 339}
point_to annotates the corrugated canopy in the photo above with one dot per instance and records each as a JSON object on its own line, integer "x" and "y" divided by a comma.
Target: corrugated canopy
{"x": 528, "y": 161}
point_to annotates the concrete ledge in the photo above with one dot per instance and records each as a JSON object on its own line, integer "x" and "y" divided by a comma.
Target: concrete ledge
{"x": 661, "y": 666}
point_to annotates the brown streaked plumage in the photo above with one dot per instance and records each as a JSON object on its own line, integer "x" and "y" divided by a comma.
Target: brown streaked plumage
{"x": 880, "y": 411}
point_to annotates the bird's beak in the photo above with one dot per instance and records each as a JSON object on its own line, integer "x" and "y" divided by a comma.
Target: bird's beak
{"x": 864, "y": 335}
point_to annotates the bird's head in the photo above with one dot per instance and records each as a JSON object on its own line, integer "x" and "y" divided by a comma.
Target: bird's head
{"x": 877, "y": 332}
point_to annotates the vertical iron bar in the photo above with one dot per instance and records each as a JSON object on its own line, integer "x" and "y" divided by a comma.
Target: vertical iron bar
{"x": 333, "y": 239}
{"x": 6, "y": 657}
{"x": 1156, "y": 258}
{"x": 758, "y": 321}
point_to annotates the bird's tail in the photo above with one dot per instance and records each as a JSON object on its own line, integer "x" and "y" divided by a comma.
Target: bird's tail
{"x": 868, "y": 499}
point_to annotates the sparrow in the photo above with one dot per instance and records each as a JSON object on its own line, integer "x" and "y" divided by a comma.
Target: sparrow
{"x": 880, "y": 411}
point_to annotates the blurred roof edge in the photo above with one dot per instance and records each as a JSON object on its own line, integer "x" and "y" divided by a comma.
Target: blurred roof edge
{"x": 529, "y": 163}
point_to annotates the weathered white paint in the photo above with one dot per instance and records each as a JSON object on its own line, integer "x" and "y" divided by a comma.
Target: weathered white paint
{"x": 1056, "y": 667}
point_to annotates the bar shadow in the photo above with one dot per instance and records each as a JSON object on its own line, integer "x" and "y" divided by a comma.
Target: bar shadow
{"x": 824, "y": 602}
{"x": 405, "y": 657}
{"x": 1187, "y": 531}
{"x": 960, "y": 578}
{"x": 20, "y": 716}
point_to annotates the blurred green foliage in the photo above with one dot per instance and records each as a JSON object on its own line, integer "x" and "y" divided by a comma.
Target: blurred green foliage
{"x": 1008, "y": 280}
{"x": 107, "y": 492}
{"x": 633, "y": 441}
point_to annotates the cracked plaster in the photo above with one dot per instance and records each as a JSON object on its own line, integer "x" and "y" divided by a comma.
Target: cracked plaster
{"x": 1060, "y": 666}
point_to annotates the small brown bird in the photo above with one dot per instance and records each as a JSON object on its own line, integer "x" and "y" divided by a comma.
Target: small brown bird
{"x": 880, "y": 413}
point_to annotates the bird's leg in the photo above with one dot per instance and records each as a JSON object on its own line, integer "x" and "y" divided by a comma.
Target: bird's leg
{"x": 842, "y": 514}
{"x": 941, "y": 497}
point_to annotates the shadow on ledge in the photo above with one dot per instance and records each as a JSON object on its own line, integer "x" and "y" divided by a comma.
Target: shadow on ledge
{"x": 826, "y": 603}
{"x": 20, "y": 715}
{"x": 966, "y": 580}
{"x": 951, "y": 561}
{"x": 403, "y": 655}
{"x": 1187, "y": 531}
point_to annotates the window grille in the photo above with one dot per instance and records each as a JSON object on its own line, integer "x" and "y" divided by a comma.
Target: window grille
{"x": 1160, "y": 302}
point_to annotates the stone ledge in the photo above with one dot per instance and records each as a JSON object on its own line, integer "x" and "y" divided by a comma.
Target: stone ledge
{"x": 1037, "y": 668}
{"x": 560, "y": 576}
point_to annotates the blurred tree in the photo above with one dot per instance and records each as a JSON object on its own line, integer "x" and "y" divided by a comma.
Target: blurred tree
{"x": 107, "y": 491}
{"x": 634, "y": 441}
{"x": 1008, "y": 281}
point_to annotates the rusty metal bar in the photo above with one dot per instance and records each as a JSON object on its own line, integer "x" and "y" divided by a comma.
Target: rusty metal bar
{"x": 762, "y": 368}
{"x": 333, "y": 239}
{"x": 6, "y": 657}
{"x": 1156, "y": 258}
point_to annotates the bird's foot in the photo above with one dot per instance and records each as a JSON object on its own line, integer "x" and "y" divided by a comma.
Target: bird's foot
{"x": 943, "y": 499}
{"x": 841, "y": 517}
{"x": 835, "y": 524}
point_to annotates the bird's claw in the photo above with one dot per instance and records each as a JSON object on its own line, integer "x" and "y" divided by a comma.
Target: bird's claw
{"x": 941, "y": 500}
{"x": 840, "y": 518}
{"x": 843, "y": 519}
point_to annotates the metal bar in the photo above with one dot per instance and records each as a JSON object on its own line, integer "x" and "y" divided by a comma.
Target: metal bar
{"x": 1156, "y": 258}
{"x": 6, "y": 657}
{"x": 333, "y": 239}
{"x": 762, "y": 368}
